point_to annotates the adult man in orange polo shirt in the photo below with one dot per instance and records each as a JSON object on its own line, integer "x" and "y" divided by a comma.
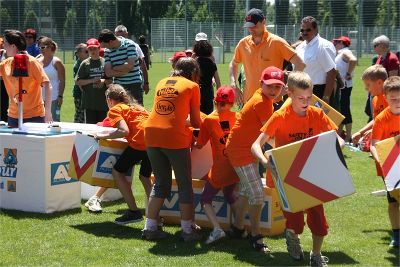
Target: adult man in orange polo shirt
{"x": 258, "y": 51}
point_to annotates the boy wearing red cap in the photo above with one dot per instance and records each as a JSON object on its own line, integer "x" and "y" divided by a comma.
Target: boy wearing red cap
{"x": 90, "y": 78}
{"x": 292, "y": 123}
{"x": 216, "y": 128}
{"x": 238, "y": 149}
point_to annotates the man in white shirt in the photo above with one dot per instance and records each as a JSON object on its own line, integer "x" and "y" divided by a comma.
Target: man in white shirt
{"x": 319, "y": 56}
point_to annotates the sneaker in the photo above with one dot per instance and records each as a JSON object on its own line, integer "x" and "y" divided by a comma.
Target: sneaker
{"x": 189, "y": 237}
{"x": 394, "y": 243}
{"x": 235, "y": 232}
{"x": 153, "y": 235}
{"x": 215, "y": 235}
{"x": 94, "y": 204}
{"x": 130, "y": 216}
{"x": 318, "y": 260}
{"x": 195, "y": 227}
{"x": 293, "y": 246}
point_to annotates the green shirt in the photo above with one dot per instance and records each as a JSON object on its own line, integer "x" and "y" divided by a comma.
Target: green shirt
{"x": 93, "y": 98}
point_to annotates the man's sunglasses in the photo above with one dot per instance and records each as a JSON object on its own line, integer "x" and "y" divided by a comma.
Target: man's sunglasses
{"x": 29, "y": 37}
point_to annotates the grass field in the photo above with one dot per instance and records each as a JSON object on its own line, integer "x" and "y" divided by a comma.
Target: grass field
{"x": 359, "y": 226}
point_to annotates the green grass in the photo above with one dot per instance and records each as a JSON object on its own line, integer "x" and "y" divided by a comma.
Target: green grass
{"x": 359, "y": 226}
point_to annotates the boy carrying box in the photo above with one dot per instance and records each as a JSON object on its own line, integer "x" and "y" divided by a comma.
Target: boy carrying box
{"x": 373, "y": 78}
{"x": 386, "y": 125}
{"x": 254, "y": 114}
{"x": 292, "y": 123}
{"x": 216, "y": 128}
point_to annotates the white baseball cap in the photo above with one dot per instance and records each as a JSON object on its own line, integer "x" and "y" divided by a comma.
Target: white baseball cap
{"x": 201, "y": 36}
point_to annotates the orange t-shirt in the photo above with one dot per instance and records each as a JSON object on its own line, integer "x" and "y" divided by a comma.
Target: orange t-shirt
{"x": 247, "y": 128}
{"x": 134, "y": 118}
{"x": 272, "y": 51}
{"x": 32, "y": 101}
{"x": 379, "y": 103}
{"x": 216, "y": 128}
{"x": 166, "y": 125}
{"x": 386, "y": 125}
{"x": 288, "y": 127}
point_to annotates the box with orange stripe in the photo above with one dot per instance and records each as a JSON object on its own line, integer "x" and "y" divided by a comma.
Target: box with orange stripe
{"x": 92, "y": 162}
{"x": 310, "y": 172}
{"x": 389, "y": 159}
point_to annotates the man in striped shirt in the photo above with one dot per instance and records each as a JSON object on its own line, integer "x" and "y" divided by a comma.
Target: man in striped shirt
{"x": 122, "y": 63}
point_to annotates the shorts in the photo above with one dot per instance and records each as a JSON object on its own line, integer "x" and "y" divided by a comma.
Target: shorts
{"x": 130, "y": 157}
{"x": 163, "y": 160}
{"x": 135, "y": 90}
{"x": 209, "y": 192}
{"x": 316, "y": 221}
{"x": 13, "y": 123}
{"x": 250, "y": 183}
{"x": 389, "y": 197}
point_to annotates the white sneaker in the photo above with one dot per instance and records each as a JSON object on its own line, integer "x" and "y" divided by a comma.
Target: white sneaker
{"x": 215, "y": 235}
{"x": 94, "y": 204}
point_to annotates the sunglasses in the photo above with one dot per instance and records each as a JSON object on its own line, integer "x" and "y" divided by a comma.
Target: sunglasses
{"x": 375, "y": 45}
{"x": 29, "y": 37}
{"x": 305, "y": 30}
{"x": 43, "y": 47}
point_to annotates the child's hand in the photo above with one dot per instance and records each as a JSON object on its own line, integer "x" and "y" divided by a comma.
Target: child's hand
{"x": 356, "y": 138}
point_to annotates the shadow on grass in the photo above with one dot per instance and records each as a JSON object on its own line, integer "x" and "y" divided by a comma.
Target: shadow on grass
{"x": 109, "y": 229}
{"x": 241, "y": 251}
{"x": 18, "y": 215}
{"x": 394, "y": 258}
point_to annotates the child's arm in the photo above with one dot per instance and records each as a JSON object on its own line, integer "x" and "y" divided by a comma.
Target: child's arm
{"x": 373, "y": 150}
{"x": 121, "y": 131}
{"x": 356, "y": 136}
{"x": 256, "y": 148}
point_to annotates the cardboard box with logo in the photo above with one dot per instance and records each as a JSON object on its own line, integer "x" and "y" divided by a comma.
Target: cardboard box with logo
{"x": 92, "y": 162}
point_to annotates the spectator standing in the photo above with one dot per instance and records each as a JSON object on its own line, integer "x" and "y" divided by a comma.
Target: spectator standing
{"x": 81, "y": 53}
{"x": 34, "y": 108}
{"x": 121, "y": 30}
{"x": 31, "y": 45}
{"x": 3, "y": 92}
{"x": 122, "y": 63}
{"x": 55, "y": 71}
{"x": 91, "y": 79}
{"x": 208, "y": 70}
{"x": 319, "y": 56}
{"x": 386, "y": 58}
{"x": 345, "y": 62}
{"x": 146, "y": 51}
{"x": 256, "y": 52}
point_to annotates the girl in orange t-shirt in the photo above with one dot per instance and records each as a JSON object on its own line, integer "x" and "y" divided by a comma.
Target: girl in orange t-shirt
{"x": 168, "y": 139}
{"x": 128, "y": 117}
{"x": 216, "y": 128}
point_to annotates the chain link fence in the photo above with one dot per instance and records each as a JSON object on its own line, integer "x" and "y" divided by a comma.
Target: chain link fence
{"x": 169, "y": 35}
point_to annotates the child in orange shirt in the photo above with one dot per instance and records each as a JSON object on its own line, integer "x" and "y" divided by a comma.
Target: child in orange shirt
{"x": 128, "y": 117}
{"x": 373, "y": 78}
{"x": 254, "y": 114}
{"x": 386, "y": 125}
{"x": 292, "y": 123}
{"x": 216, "y": 128}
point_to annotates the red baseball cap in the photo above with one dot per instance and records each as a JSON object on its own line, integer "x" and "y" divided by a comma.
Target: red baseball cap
{"x": 177, "y": 55}
{"x": 92, "y": 42}
{"x": 225, "y": 94}
{"x": 273, "y": 75}
{"x": 344, "y": 39}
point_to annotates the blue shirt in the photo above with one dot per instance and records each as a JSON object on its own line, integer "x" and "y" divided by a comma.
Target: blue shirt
{"x": 119, "y": 56}
{"x": 33, "y": 50}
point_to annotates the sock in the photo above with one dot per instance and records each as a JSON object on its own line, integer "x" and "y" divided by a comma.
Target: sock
{"x": 150, "y": 225}
{"x": 396, "y": 234}
{"x": 186, "y": 226}
{"x": 313, "y": 254}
